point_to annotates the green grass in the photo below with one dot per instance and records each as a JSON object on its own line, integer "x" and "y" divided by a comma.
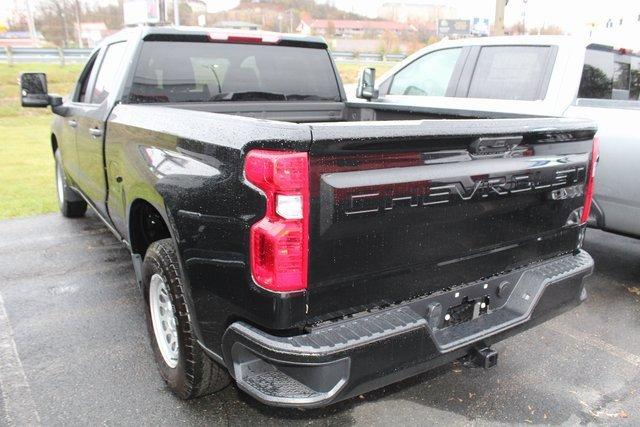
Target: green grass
{"x": 26, "y": 167}
{"x": 60, "y": 80}
{"x": 26, "y": 164}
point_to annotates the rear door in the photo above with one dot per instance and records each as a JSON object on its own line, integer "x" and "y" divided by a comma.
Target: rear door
{"x": 508, "y": 72}
{"x": 91, "y": 118}
{"x": 66, "y": 133}
{"x": 403, "y": 209}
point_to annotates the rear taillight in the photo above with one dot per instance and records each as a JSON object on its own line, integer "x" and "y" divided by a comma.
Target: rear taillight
{"x": 279, "y": 240}
{"x": 588, "y": 193}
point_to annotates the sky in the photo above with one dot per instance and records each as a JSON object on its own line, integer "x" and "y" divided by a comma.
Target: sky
{"x": 571, "y": 15}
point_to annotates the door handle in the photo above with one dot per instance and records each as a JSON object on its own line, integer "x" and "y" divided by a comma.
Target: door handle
{"x": 72, "y": 123}
{"x": 95, "y": 132}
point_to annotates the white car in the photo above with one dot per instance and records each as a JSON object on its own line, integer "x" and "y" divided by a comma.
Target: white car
{"x": 539, "y": 75}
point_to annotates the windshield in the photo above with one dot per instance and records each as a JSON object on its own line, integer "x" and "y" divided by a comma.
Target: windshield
{"x": 173, "y": 71}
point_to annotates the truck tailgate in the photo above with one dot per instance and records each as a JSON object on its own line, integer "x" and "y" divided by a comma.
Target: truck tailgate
{"x": 403, "y": 209}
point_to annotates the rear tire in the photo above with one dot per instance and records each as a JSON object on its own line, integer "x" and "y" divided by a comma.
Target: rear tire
{"x": 182, "y": 363}
{"x": 70, "y": 203}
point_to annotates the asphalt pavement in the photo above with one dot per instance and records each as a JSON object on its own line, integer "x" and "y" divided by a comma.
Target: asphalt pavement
{"x": 74, "y": 350}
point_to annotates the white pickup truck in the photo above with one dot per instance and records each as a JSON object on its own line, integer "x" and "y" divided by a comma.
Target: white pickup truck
{"x": 539, "y": 75}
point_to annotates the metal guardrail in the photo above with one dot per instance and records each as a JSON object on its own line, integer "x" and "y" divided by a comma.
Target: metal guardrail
{"x": 12, "y": 55}
{"x": 63, "y": 55}
{"x": 343, "y": 56}
{"x": 367, "y": 56}
{"x": 394, "y": 57}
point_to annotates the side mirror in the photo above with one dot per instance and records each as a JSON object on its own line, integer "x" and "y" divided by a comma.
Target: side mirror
{"x": 366, "y": 84}
{"x": 33, "y": 90}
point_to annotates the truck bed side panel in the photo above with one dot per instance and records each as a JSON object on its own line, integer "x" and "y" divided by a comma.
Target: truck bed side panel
{"x": 189, "y": 165}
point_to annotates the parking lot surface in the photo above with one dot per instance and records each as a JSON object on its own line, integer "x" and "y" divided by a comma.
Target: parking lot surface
{"x": 74, "y": 350}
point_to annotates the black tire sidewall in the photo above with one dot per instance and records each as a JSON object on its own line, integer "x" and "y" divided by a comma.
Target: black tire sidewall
{"x": 160, "y": 259}
{"x": 70, "y": 204}
{"x": 61, "y": 197}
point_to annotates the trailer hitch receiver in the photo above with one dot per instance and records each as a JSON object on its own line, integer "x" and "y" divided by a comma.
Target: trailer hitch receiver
{"x": 484, "y": 357}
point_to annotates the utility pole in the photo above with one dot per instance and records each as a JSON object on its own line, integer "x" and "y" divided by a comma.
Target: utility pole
{"x": 291, "y": 20}
{"x": 30, "y": 23}
{"x": 176, "y": 13}
{"x": 498, "y": 22}
{"x": 524, "y": 16}
{"x": 78, "y": 24}
{"x": 61, "y": 7}
{"x": 164, "y": 13}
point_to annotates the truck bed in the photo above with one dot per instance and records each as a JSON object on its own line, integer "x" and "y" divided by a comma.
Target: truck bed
{"x": 312, "y": 112}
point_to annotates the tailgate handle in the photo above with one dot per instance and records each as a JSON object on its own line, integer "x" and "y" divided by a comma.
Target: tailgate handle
{"x": 494, "y": 145}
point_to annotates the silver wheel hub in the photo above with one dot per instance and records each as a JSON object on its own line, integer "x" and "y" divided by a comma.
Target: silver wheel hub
{"x": 163, "y": 319}
{"x": 59, "y": 184}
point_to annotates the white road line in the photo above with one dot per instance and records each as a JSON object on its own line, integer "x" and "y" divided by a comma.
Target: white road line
{"x": 596, "y": 342}
{"x": 19, "y": 407}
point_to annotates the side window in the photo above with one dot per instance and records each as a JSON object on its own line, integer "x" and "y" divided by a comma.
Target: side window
{"x": 510, "y": 72}
{"x": 89, "y": 70}
{"x": 107, "y": 76}
{"x": 426, "y": 76}
{"x": 597, "y": 74}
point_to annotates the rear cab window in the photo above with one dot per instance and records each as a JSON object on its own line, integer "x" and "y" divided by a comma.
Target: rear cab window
{"x": 217, "y": 72}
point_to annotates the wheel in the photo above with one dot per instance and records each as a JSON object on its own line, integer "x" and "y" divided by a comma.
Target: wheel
{"x": 183, "y": 365}
{"x": 70, "y": 203}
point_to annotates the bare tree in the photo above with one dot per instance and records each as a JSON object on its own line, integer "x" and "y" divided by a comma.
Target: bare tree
{"x": 60, "y": 8}
{"x": 331, "y": 29}
{"x": 56, "y": 19}
{"x": 78, "y": 15}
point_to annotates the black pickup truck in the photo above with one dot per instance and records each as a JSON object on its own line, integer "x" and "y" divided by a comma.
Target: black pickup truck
{"x": 312, "y": 248}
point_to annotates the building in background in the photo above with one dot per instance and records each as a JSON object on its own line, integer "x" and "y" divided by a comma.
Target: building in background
{"x": 92, "y": 32}
{"x": 349, "y": 28}
{"x": 416, "y": 12}
{"x": 21, "y": 39}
